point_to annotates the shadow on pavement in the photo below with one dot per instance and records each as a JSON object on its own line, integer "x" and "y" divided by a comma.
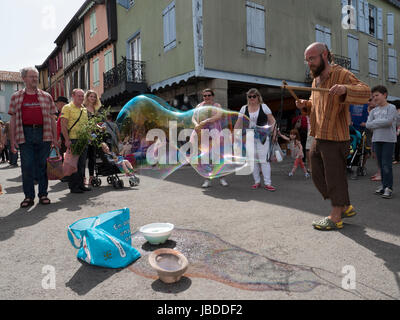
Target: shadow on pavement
{"x": 388, "y": 252}
{"x": 173, "y": 288}
{"x": 300, "y": 193}
{"x": 88, "y": 277}
{"x": 21, "y": 218}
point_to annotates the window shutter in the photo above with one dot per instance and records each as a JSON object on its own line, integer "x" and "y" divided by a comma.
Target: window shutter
{"x": 319, "y": 36}
{"x": 260, "y": 26}
{"x": 379, "y": 24}
{"x": 328, "y": 37}
{"x": 255, "y": 27}
{"x": 123, "y": 3}
{"x": 353, "y": 53}
{"x": 361, "y": 24}
{"x": 366, "y": 16}
{"x": 250, "y": 19}
{"x": 169, "y": 25}
{"x": 390, "y": 28}
{"x": 373, "y": 59}
{"x": 392, "y": 65}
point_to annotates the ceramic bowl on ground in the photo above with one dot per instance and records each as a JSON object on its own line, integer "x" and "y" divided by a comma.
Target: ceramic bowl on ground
{"x": 157, "y": 233}
{"x": 170, "y": 264}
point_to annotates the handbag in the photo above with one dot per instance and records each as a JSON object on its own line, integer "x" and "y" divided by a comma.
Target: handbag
{"x": 70, "y": 164}
{"x": 55, "y": 165}
{"x": 276, "y": 154}
{"x": 104, "y": 240}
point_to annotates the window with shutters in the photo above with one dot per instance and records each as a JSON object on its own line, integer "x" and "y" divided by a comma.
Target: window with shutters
{"x": 392, "y": 65}
{"x": 353, "y": 53}
{"x": 169, "y": 23}
{"x": 96, "y": 72}
{"x": 255, "y": 27}
{"x": 323, "y": 34}
{"x": 373, "y": 59}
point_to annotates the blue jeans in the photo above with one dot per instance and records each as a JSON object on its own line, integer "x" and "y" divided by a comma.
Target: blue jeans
{"x": 384, "y": 153}
{"x": 34, "y": 153}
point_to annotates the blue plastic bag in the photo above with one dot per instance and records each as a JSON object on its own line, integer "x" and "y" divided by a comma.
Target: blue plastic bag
{"x": 104, "y": 240}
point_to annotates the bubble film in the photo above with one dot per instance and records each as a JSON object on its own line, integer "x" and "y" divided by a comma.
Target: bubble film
{"x": 159, "y": 139}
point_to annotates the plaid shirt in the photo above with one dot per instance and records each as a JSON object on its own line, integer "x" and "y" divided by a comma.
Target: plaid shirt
{"x": 48, "y": 110}
{"x": 330, "y": 116}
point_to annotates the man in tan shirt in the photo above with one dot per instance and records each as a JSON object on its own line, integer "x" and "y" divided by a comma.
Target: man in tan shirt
{"x": 329, "y": 120}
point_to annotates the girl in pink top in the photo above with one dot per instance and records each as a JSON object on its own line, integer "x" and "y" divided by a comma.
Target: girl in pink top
{"x": 296, "y": 151}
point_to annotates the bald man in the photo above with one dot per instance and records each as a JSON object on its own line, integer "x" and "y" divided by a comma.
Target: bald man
{"x": 329, "y": 120}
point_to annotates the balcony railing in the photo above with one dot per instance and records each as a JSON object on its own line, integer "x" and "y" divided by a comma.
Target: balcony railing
{"x": 126, "y": 71}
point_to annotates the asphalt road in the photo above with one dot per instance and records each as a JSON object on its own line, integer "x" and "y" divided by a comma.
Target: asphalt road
{"x": 240, "y": 243}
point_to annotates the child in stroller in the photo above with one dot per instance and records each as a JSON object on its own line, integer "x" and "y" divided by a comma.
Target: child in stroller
{"x": 111, "y": 165}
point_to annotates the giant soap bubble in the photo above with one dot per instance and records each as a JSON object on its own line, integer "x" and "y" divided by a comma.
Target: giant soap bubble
{"x": 160, "y": 139}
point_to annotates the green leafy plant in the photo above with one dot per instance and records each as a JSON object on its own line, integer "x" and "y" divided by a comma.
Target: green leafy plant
{"x": 90, "y": 132}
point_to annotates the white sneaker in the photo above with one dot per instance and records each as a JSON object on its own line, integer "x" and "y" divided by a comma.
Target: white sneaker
{"x": 223, "y": 182}
{"x": 290, "y": 174}
{"x": 380, "y": 190}
{"x": 206, "y": 184}
{"x": 387, "y": 194}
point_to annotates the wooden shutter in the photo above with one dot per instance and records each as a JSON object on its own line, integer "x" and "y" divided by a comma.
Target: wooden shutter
{"x": 379, "y": 24}
{"x": 390, "y": 28}
{"x": 353, "y": 53}
{"x": 392, "y": 65}
{"x": 361, "y": 24}
{"x": 373, "y": 59}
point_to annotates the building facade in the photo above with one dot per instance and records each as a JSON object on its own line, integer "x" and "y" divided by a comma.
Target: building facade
{"x": 100, "y": 27}
{"x": 232, "y": 46}
{"x": 10, "y": 82}
{"x": 74, "y": 59}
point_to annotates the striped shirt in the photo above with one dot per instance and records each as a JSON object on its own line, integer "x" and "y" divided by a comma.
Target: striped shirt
{"x": 330, "y": 115}
{"x": 48, "y": 110}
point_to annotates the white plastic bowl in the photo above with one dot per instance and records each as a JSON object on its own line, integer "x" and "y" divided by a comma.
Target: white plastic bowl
{"x": 157, "y": 233}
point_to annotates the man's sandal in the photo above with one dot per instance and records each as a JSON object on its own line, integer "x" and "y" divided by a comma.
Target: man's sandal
{"x": 327, "y": 224}
{"x": 27, "y": 203}
{"x": 44, "y": 200}
{"x": 349, "y": 213}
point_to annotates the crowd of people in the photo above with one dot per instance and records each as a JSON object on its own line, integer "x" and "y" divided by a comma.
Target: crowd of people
{"x": 319, "y": 140}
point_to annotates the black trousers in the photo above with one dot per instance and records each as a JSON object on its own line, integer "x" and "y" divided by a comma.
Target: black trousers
{"x": 75, "y": 181}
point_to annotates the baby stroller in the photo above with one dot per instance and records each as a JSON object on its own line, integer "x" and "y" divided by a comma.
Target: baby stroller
{"x": 104, "y": 168}
{"x": 358, "y": 151}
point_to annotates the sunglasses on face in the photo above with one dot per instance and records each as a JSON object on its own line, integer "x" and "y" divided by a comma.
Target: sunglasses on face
{"x": 207, "y": 95}
{"x": 252, "y": 97}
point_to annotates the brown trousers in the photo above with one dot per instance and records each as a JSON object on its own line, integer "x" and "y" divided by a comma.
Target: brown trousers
{"x": 328, "y": 165}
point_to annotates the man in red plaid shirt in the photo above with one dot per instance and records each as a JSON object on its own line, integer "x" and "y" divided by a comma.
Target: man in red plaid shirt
{"x": 32, "y": 131}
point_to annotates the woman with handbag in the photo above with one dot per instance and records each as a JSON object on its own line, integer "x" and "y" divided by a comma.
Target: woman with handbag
{"x": 260, "y": 115}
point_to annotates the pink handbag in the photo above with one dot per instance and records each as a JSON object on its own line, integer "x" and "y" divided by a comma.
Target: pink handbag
{"x": 70, "y": 164}
{"x": 55, "y": 167}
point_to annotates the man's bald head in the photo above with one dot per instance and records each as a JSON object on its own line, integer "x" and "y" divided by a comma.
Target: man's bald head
{"x": 316, "y": 48}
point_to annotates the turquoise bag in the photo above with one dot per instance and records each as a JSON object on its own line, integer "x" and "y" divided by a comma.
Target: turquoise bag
{"x": 104, "y": 240}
